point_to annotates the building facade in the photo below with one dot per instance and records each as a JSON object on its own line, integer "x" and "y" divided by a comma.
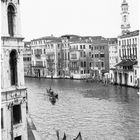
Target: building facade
{"x": 27, "y": 59}
{"x": 113, "y": 56}
{"x": 54, "y": 59}
{"x": 47, "y": 57}
{"x": 13, "y": 90}
{"x": 100, "y": 57}
{"x": 38, "y": 57}
{"x": 79, "y": 64}
{"x": 127, "y": 70}
{"x": 78, "y": 57}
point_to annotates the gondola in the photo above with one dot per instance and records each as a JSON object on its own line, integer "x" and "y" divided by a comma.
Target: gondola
{"x": 51, "y": 93}
{"x": 52, "y": 100}
{"x": 52, "y": 96}
{"x": 79, "y": 137}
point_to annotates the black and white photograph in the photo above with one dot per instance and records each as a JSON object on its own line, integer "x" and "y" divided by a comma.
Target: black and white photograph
{"x": 70, "y": 69}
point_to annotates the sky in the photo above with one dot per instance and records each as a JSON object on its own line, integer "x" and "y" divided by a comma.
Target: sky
{"x": 79, "y": 17}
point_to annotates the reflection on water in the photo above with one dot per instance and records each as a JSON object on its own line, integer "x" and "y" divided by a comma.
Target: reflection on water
{"x": 99, "y": 112}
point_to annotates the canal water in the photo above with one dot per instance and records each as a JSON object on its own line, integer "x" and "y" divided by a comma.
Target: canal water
{"x": 99, "y": 112}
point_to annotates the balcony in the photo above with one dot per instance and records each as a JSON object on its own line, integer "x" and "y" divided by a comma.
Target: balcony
{"x": 38, "y": 55}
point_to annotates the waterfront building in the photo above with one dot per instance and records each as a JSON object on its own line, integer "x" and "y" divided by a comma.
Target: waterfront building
{"x": 38, "y": 57}
{"x": 80, "y": 58}
{"x": 70, "y": 56}
{"x": 38, "y": 49}
{"x": 54, "y": 58}
{"x": 65, "y": 49}
{"x": 47, "y": 57}
{"x": 113, "y": 56}
{"x": 13, "y": 90}
{"x": 100, "y": 57}
{"x": 127, "y": 70}
{"x": 27, "y": 59}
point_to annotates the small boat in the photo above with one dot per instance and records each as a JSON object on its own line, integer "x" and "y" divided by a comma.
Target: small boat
{"x": 52, "y": 100}
{"x": 79, "y": 137}
{"x": 51, "y": 93}
{"x": 52, "y": 96}
{"x": 64, "y": 137}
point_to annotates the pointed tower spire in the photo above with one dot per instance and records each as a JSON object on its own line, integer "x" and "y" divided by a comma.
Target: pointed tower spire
{"x": 125, "y": 26}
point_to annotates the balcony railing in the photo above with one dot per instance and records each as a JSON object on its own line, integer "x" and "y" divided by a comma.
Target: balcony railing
{"x": 38, "y": 55}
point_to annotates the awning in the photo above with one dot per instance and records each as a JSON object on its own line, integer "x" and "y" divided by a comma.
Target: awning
{"x": 120, "y": 63}
{"x": 127, "y": 62}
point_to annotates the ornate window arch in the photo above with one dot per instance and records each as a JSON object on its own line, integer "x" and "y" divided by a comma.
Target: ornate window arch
{"x": 11, "y": 19}
{"x": 13, "y": 67}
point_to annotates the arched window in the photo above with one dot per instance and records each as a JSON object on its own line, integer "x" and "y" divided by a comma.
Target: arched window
{"x": 13, "y": 67}
{"x": 84, "y": 64}
{"x": 11, "y": 14}
{"x": 81, "y": 64}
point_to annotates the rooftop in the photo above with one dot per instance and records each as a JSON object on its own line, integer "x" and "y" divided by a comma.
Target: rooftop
{"x": 130, "y": 34}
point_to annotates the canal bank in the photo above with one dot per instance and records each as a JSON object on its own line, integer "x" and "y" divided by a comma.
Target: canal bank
{"x": 33, "y": 134}
{"x": 104, "y": 81}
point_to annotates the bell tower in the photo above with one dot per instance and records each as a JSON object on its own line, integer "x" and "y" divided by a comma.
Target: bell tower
{"x": 13, "y": 90}
{"x": 125, "y": 26}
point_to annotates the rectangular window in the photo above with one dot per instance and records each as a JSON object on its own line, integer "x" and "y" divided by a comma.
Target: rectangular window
{"x": 135, "y": 72}
{"x": 89, "y": 54}
{"x": 119, "y": 43}
{"x": 84, "y": 71}
{"x": 84, "y": 54}
{"x": 2, "y": 124}
{"x": 102, "y": 55}
{"x": 135, "y": 40}
{"x": 51, "y": 46}
{"x": 80, "y": 46}
{"x": 80, "y": 54}
{"x": 17, "y": 138}
{"x": 102, "y": 64}
{"x": 131, "y": 79}
{"x": 16, "y": 114}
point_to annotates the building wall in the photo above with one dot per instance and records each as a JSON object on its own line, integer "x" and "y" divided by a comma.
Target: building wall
{"x": 13, "y": 90}
{"x": 79, "y": 60}
{"x": 100, "y": 54}
{"x": 38, "y": 58}
{"x": 128, "y": 51}
{"x": 4, "y": 21}
{"x": 27, "y": 59}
